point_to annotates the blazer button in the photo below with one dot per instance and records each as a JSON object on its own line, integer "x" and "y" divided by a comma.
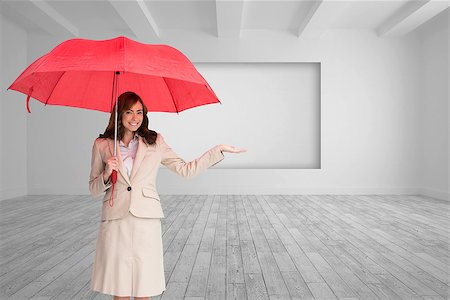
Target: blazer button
{"x": 129, "y": 188}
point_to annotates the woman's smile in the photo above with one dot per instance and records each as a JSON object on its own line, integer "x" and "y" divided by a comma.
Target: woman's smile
{"x": 132, "y": 117}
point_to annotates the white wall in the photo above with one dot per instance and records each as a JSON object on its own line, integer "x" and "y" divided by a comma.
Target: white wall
{"x": 13, "y": 114}
{"x": 370, "y": 108}
{"x": 434, "y": 48}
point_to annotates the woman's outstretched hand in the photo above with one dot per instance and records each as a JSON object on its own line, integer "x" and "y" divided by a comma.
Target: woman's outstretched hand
{"x": 231, "y": 149}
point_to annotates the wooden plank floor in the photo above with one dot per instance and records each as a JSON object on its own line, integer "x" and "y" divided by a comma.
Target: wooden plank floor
{"x": 242, "y": 247}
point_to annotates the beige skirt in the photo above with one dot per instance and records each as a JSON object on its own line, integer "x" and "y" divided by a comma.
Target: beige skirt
{"x": 129, "y": 258}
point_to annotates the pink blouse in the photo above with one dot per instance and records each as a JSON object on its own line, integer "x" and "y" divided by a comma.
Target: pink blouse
{"x": 129, "y": 153}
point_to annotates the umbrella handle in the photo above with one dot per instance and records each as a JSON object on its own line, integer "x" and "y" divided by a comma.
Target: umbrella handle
{"x": 113, "y": 181}
{"x": 114, "y": 176}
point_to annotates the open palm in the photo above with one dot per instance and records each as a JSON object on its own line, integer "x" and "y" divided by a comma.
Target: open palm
{"x": 232, "y": 149}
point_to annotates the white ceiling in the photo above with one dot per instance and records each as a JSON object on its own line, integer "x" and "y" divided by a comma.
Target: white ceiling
{"x": 148, "y": 21}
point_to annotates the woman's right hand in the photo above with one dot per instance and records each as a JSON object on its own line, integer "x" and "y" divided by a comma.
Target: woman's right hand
{"x": 111, "y": 164}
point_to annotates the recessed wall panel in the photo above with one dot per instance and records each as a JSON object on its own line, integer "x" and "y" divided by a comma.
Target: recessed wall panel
{"x": 271, "y": 109}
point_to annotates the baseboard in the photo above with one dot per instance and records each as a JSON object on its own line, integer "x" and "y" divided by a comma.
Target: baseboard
{"x": 276, "y": 189}
{"x": 13, "y": 193}
{"x": 441, "y": 195}
{"x": 59, "y": 190}
{"x": 280, "y": 190}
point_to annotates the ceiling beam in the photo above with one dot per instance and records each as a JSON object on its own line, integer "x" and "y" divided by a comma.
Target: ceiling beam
{"x": 309, "y": 18}
{"x": 229, "y": 18}
{"x": 320, "y": 17}
{"x": 138, "y": 18}
{"x": 45, "y": 16}
{"x": 410, "y": 16}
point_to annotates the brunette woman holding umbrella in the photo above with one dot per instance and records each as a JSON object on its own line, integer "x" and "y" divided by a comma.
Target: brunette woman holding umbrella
{"x": 129, "y": 252}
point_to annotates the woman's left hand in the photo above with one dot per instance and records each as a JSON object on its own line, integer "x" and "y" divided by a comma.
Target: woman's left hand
{"x": 231, "y": 149}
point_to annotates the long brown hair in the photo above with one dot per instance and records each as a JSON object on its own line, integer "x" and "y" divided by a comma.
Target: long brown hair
{"x": 125, "y": 102}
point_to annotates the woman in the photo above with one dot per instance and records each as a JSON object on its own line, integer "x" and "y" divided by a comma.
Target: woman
{"x": 129, "y": 251}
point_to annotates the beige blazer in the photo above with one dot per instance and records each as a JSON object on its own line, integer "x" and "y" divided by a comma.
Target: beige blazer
{"x": 138, "y": 193}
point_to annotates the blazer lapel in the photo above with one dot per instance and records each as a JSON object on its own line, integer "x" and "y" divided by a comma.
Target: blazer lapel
{"x": 119, "y": 158}
{"x": 140, "y": 154}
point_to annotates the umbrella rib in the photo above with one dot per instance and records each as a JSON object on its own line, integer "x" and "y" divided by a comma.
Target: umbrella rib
{"x": 173, "y": 100}
{"x": 112, "y": 93}
{"x": 48, "y": 98}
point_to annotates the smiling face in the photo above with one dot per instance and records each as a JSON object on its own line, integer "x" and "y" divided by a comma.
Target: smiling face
{"x": 132, "y": 118}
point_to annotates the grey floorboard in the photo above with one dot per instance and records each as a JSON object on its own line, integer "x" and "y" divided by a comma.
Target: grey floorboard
{"x": 241, "y": 247}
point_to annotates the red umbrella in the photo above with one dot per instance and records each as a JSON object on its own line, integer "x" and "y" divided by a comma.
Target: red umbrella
{"x": 81, "y": 73}
{"x": 91, "y": 74}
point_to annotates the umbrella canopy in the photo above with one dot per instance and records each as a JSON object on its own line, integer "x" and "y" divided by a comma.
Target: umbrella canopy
{"x": 92, "y": 74}
{"x": 81, "y": 73}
